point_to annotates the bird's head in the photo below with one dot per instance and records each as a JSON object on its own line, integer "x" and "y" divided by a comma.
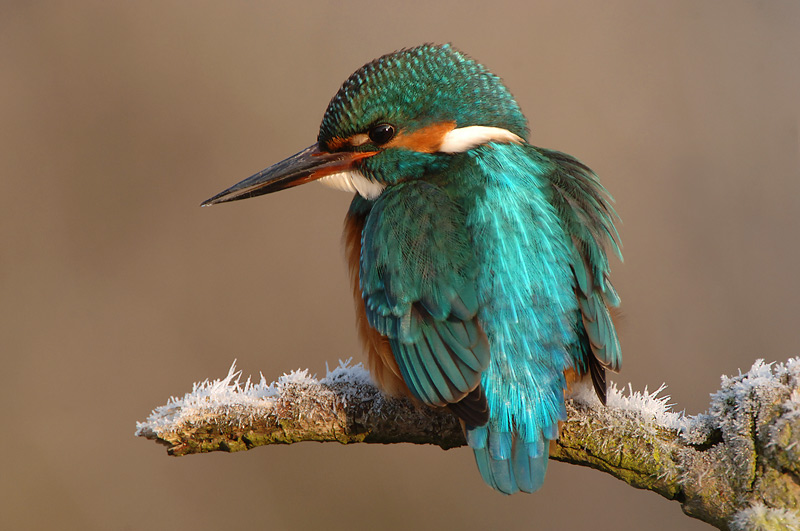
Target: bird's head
{"x": 397, "y": 118}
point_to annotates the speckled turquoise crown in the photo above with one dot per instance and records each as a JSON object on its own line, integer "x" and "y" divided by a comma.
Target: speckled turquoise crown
{"x": 421, "y": 86}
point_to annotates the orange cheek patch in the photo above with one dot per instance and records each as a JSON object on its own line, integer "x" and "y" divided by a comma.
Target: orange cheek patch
{"x": 336, "y": 143}
{"x": 425, "y": 140}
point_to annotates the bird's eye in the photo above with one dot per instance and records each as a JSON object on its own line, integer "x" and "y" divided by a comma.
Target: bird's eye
{"x": 381, "y": 133}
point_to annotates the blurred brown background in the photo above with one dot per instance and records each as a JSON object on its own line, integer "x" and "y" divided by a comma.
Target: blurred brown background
{"x": 118, "y": 291}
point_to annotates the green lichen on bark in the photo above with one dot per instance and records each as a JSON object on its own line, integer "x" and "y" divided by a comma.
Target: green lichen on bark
{"x": 638, "y": 454}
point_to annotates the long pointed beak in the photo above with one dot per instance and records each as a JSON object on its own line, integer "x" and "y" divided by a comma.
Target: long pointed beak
{"x": 306, "y": 166}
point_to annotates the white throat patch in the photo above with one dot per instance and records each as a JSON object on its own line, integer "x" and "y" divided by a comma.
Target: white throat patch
{"x": 353, "y": 181}
{"x": 465, "y": 138}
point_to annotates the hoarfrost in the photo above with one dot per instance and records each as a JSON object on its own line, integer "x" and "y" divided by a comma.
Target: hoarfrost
{"x": 235, "y": 401}
{"x": 648, "y": 406}
{"x": 759, "y": 517}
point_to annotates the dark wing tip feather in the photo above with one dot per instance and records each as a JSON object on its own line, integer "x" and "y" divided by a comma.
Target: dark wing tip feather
{"x": 598, "y": 374}
{"x": 473, "y": 409}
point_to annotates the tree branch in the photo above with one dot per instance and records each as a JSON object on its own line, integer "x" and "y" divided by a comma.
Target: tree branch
{"x": 737, "y": 466}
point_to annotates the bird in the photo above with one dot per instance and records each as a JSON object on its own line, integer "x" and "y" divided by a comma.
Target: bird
{"x": 479, "y": 262}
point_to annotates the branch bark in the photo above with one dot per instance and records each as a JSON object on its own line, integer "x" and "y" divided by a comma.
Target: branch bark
{"x": 737, "y": 466}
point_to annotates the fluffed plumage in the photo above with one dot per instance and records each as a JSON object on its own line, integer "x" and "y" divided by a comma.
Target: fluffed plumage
{"x": 478, "y": 260}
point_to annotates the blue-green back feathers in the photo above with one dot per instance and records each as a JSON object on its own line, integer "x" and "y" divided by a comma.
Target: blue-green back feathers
{"x": 528, "y": 311}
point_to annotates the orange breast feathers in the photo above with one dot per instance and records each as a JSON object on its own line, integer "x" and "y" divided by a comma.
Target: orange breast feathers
{"x": 381, "y": 362}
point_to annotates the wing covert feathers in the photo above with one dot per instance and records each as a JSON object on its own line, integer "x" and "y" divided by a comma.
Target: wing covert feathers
{"x": 416, "y": 299}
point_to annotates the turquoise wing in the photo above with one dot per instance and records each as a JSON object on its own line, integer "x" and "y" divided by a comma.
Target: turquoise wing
{"x": 585, "y": 208}
{"x": 418, "y": 279}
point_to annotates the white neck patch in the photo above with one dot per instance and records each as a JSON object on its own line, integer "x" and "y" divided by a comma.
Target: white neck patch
{"x": 353, "y": 181}
{"x": 465, "y": 138}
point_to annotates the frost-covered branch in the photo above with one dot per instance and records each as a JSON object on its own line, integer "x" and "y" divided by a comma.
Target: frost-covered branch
{"x": 344, "y": 407}
{"x": 737, "y": 466}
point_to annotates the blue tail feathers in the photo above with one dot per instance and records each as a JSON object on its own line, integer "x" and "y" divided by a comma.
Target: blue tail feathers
{"x": 506, "y": 463}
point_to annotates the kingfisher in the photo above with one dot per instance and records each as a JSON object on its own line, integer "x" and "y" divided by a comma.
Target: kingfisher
{"x": 478, "y": 261}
